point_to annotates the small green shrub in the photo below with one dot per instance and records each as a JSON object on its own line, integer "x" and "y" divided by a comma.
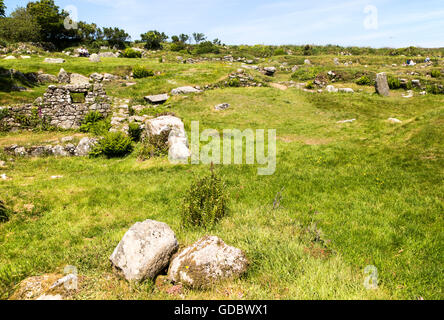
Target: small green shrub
{"x": 434, "y": 89}
{"x": 305, "y": 74}
{"x": 113, "y": 145}
{"x": 234, "y": 82}
{"x": 364, "y": 81}
{"x": 90, "y": 121}
{"x": 140, "y": 72}
{"x": 279, "y": 52}
{"x": 309, "y": 85}
{"x": 436, "y": 74}
{"x": 134, "y": 131}
{"x": 205, "y": 202}
{"x": 154, "y": 146}
{"x": 4, "y": 214}
{"x": 131, "y": 53}
{"x": 394, "y": 83}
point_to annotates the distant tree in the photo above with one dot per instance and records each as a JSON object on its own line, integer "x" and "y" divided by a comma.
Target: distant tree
{"x": 20, "y": 26}
{"x": 198, "y": 37}
{"x": 153, "y": 39}
{"x": 51, "y": 21}
{"x": 89, "y": 33}
{"x": 184, "y": 38}
{"x": 115, "y": 37}
{"x": 175, "y": 39}
{"x": 2, "y": 8}
{"x": 217, "y": 42}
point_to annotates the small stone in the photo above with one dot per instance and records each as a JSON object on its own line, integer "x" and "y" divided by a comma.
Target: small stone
{"x": 222, "y": 106}
{"x": 347, "y": 121}
{"x": 394, "y": 120}
{"x": 54, "y": 60}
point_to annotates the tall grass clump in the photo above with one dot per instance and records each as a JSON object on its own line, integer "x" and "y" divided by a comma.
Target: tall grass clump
{"x": 205, "y": 202}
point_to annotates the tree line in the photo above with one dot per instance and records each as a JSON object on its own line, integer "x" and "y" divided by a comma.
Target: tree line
{"x": 44, "y": 22}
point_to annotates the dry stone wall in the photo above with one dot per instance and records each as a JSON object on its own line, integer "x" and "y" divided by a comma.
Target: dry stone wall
{"x": 62, "y": 106}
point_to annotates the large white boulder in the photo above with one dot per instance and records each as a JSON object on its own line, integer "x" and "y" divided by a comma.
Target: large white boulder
{"x": 206, "y": 262}
{"x": 145, "y": 250}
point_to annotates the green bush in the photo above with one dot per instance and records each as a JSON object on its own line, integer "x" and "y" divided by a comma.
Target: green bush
{"x": 90, "y": 121}
{"x": 4, "y": 214}
{"x": 279, "y": 52}
{"x": 364, "y": 81}
{"x": 178, "y": 46}
{"x": 205, "y": 202}
{"x": 134, "y": 131}
{"x": 394, "y": 83}
{"x": 305, "y": 74}
{"x": 113, "y": 145}
{"x": 309, "y": 85}
{"x": 436, "y": 74}
{"x": 142, "y": 72}
{"x": 154, "y": 146}
{"x": 131, "y": 53}
{"x": 206, "y": 47}
{"x": 434, "y": 89}
{"x": 234, "y": 82}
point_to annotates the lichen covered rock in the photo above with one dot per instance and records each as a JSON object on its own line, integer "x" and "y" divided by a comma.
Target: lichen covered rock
{"x": 206, "y": 262}
{"x": 144, "y": 251}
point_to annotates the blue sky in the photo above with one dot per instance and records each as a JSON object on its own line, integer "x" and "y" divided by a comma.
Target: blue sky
{"x": 400, "y": 23}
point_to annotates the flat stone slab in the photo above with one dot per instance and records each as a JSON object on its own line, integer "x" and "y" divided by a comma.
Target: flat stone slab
{"x": 185, "y": 90}
{"x": 54, "y": 60}
{"x": 157, "y": 99}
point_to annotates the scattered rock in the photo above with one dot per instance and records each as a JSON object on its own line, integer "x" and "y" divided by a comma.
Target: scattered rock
{"x": 108, "y": 55}
{"x": 347, "y": 121}
{"x": 394, "y": 120}
{"x": 54, "y": 60}
{"x": 63, "y": 76}
{"x": 78, "y": 79}
{"x": 85, "y": 146}
{"x": 206, "y": 262}
{"x": 94, "y": 58}
{"x": 185, "y": 90}
{"x": 222, "y": 106}
{"x": 331, "y": 88}
{"x": 145, "y": 250}
{"x": 408, "y": 95}
{"x": 43, "y": 78}
{"x": 109, "y": 77}
{"x": 96, "y": 77}
{"x": 10, "y": 58}
{"x": 381, "y": 84}
{"x": 306, "y": 61}
{"x": 346, "y": 90}
{"x": 157, "y": 99}
{"x": 270, "y": 71}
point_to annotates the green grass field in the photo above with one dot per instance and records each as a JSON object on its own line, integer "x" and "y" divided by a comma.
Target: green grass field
{"x": 372, "y": 191}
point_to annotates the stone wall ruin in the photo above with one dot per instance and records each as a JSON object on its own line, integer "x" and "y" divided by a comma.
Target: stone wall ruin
{"x": 63, "y": 106}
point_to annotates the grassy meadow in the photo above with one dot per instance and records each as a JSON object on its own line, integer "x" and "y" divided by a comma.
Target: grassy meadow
{"x": 353, "y": 194}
